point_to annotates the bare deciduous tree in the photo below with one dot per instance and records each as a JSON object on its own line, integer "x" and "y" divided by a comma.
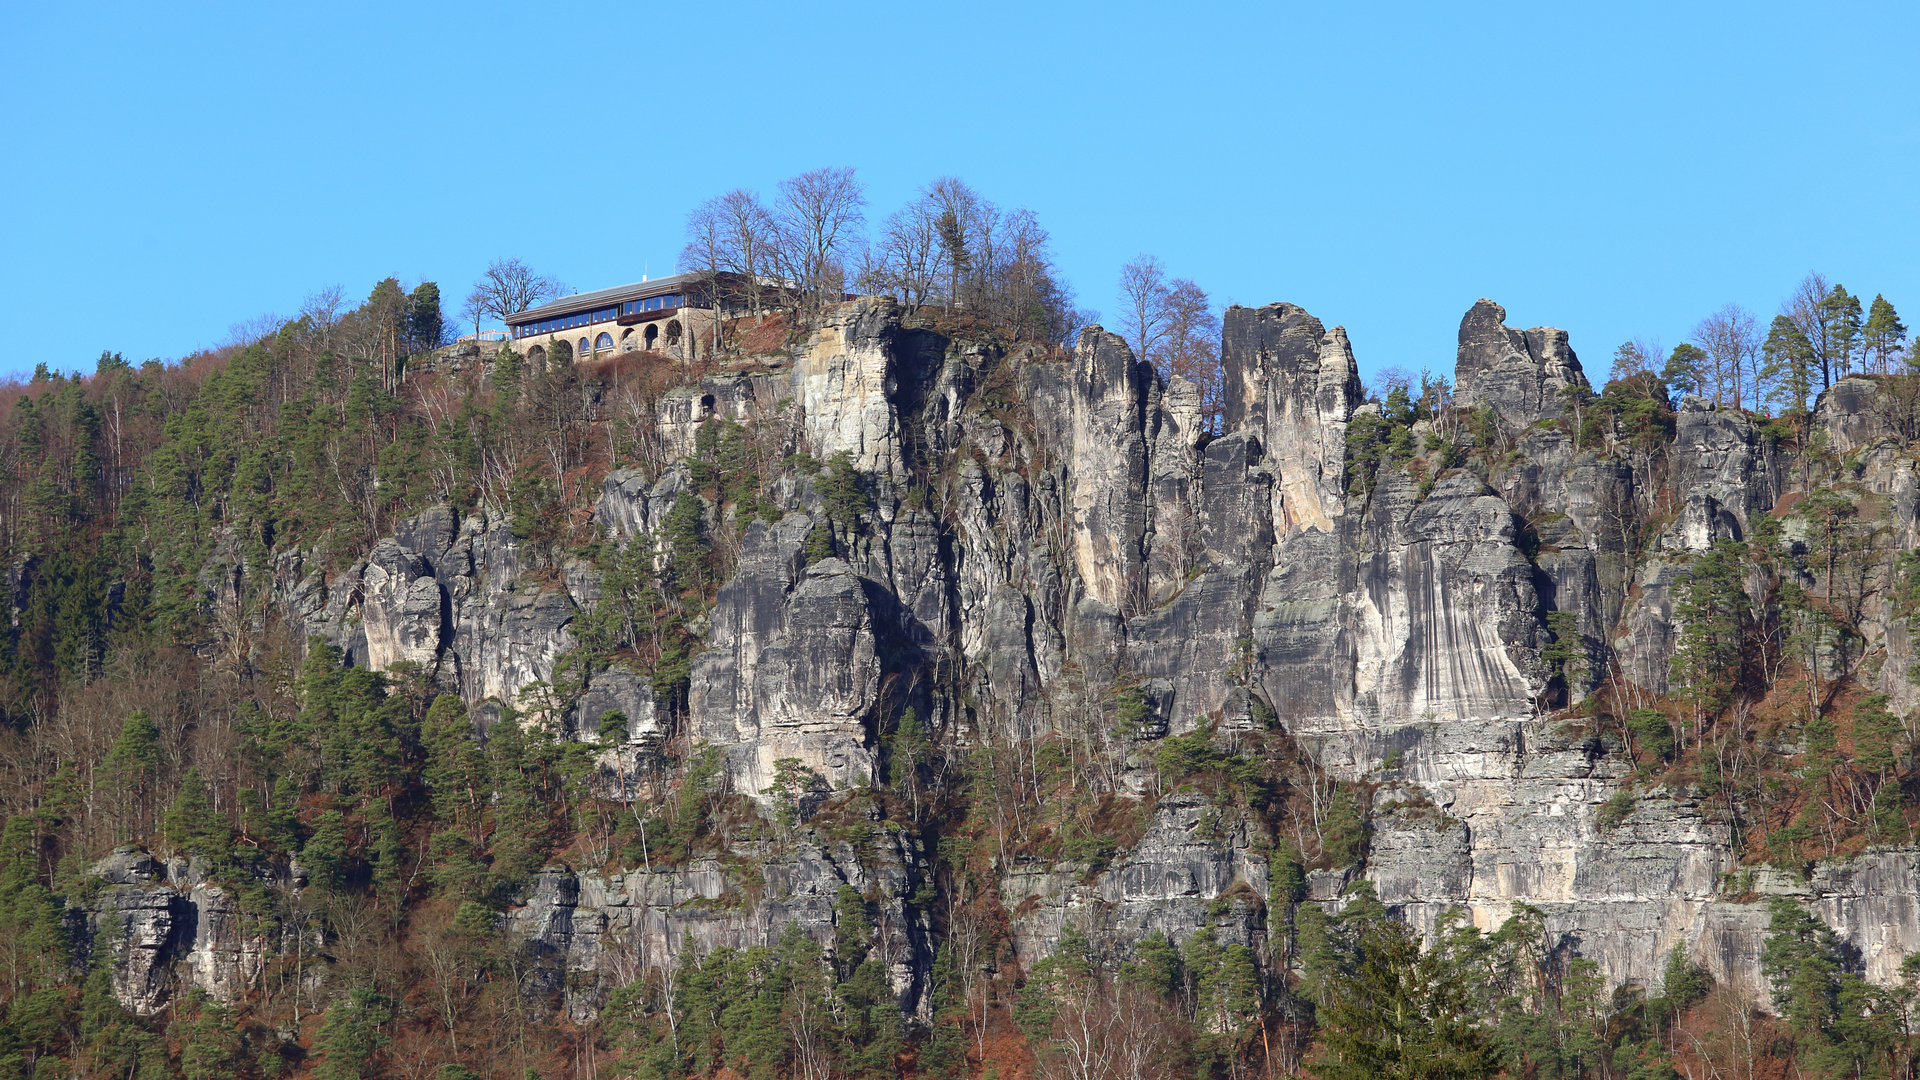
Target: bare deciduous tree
{"x": 908, "y": 261}
{"x": 508, "y": 287}
{"x": 322, "y": 314}
{"x": 1732, "y": 343}
{"x": 819, "y": 213}
{"x": 1804, "y": 307}
{"x": 1193, "y": 345}
{"x": 733, "y": 233}
{"x": 1171, "y": 325}
{"x": 1143, "y": 291}
{"x": 247, "y": 331}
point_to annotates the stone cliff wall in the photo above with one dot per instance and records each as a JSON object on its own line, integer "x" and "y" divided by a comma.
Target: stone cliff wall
{"x": 1082, "y": 527}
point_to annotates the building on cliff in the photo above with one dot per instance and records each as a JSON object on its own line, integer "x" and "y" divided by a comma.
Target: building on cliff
{"x": 671, "y": 315}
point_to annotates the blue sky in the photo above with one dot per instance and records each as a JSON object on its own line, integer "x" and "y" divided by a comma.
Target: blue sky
{"x": 1615, "y": 169}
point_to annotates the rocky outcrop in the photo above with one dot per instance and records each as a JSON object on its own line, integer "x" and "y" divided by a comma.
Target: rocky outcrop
{"x": 796, "y": 676}
{"x": 594, "y": 932}
{"x": 1173, "y": 881}
{"x": 1047, "y": 533}
{"x": 1107, "y": 481}
{"x": 1293, "y": 385}
{"x": 1521, "y": 376}
{"x": 165, "y": 922}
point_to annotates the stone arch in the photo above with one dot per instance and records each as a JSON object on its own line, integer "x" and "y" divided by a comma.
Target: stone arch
{"x": 537, "y": 355}
{"x": 652, "y": 335}
{"x": 561, "y": 352}
{"x": 673, "y": 333}
{"x": 604, "y": 341}
{"x": 627, "y": 344}
{"x": 585, "y": 349}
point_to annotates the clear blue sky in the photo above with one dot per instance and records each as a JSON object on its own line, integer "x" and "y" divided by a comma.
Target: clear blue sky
{"x": 1614, "y": 169}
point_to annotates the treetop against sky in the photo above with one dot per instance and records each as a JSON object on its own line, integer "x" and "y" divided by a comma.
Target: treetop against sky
{"x": 1619, "y": 172}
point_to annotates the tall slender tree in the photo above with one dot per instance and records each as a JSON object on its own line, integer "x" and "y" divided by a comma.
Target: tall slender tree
{"x": 1883, "y": 334}
{"x": 1840, "y": 325}
{"x": 1143, "y": 296}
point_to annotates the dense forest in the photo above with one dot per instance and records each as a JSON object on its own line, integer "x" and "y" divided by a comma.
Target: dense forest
{"x": 374, "y": 830}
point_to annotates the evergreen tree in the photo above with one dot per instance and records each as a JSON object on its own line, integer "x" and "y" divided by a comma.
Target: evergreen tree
{"x": 1400, "y": 1016}
{"x": 1839, "y": 339}
{"x": 351, "y": 1036}
{"x": 1787, "y": 366}
{"x": 192, "y": 825}
{"x": 1883, "y": 334}
{"x": 1712, "y": 611}
{"x": 1801, "y": 967}
{"x": 132, "y": 774}
{"x": 1566, "y": 654}
{"x": 1686, "y": 370}
{"x": 426, "y": 326}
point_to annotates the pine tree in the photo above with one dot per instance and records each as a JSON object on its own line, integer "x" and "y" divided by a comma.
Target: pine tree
{"x": 1787, "y": 366}
{"x": 1400, "y": 1016}
{"x": 1712, "y": 610}
{"x": 1686, "y": 370}
{"x": 1799, "y": 961}
{"x": 209, "y": 1045}
{"x": 132, "y": 768}
{"x": 1566, "y": 655}
{"x": 1839, "y": 315}
{"x": 192, "y": 825}
{"x": 1883, "y": 334}
{"x": 350, "y": 1035}
{"x": 425, "y": 323}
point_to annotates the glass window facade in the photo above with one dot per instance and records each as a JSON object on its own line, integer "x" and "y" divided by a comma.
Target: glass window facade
{"x": 567, "y": 322}
{"x": 652, "y": 303}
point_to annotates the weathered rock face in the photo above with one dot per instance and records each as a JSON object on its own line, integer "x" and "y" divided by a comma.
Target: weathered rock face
{"x": 447, "y": 594}
{"x": 800, "y": 687}
{"x": 1170, "y": 882}
{"x": 164, "y": 921}
{"x": 1294, "y": 386}
{"x": 1107, "y": 392}
{"x": 1521, "y": 376}
{"x": 1043, "y": 531}
{"x": 594, "y": 932}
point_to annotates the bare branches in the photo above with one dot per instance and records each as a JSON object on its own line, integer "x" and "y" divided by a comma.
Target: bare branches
{"x": 1143, "y": 291}
{"x": 1732, "y": 343}
{"x": 321, "y": 311}
{"x": 508, "y": 287}
{"x": 1171, "y": 325}
{"x": 733, "y": 234}
{"x": 818, "y": 214}
{"x": 910, "y": 259}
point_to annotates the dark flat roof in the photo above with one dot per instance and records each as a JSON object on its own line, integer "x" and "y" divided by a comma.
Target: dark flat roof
{"x": 587, "y": 301}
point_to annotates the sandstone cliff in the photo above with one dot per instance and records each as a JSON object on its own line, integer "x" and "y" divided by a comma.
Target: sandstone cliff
{"x": 1045, "y": 538}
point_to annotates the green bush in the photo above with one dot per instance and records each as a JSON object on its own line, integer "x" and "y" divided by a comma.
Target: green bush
{"x": 1652, "y": 730}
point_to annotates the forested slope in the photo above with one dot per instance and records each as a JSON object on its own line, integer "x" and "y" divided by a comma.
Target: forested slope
{"x": 904, "y": 692}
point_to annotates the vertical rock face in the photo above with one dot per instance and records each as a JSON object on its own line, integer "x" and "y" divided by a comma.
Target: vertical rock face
{"x": 590, "y": 933}
{"x": 1522, "y": 376}
{"x": 816, "y": 682}
{"x": 1107, "y": 403}
{"x": 403, "y": 608}
{"x": 1445, "y": 610}
{"x": 164, "y": 921}
{"x": 1044, "y": 531}
{"x": 844, "y": 381}
{"x": 1294, "y": 386}
{"x": 1723, "y": 476}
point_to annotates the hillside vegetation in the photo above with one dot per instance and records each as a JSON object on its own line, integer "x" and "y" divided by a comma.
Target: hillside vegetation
{"x": 380, "y": 836}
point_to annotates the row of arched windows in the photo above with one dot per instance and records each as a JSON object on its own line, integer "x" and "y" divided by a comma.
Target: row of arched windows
{"x": 632, "y": 338}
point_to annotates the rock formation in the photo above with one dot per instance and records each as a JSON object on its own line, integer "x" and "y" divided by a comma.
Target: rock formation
{"x": 1041, "y": 529}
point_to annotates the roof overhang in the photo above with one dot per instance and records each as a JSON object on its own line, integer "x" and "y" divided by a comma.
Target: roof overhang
{"x": 573, "y": 305}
